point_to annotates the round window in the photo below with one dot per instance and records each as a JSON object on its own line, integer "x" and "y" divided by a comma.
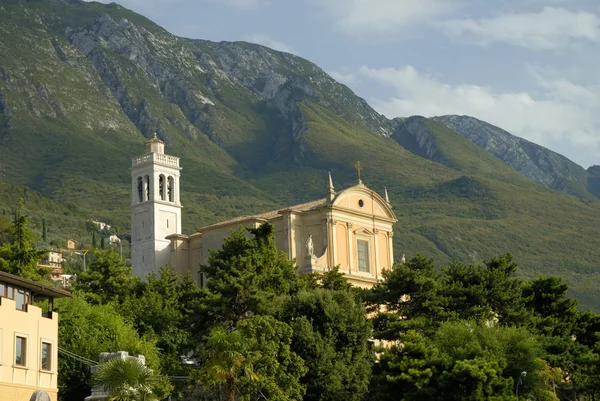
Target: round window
{"x": 361, "y": 203}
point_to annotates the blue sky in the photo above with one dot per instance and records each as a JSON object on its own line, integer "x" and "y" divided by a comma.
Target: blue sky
{"x": 528, "y": 66}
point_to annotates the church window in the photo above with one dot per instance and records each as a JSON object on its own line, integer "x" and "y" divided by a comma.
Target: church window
{"x": 170, "y": 189}
{"x": 361, "y": 203}
{"x": 147, "y": 188}
{"x": 167, "y": 223}
{"x": 161, "y": 186}
{"x": 140, "y": 189}
{"x": 363, "y": 256}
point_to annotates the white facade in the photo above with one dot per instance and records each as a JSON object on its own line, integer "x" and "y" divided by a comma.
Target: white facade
{"x": 155, "y": 207}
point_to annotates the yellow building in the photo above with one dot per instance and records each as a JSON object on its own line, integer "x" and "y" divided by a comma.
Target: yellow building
{"x": 351, "y": 229}
{"x": 28, "y": 339}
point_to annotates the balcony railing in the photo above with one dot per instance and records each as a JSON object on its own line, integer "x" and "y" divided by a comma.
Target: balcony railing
{"x": 156, "y": 158}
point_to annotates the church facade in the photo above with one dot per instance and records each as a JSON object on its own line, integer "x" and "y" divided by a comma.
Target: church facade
{"x": 352, "y": 228}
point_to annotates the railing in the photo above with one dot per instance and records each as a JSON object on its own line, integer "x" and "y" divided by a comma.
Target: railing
{"x": 157, "y": 158}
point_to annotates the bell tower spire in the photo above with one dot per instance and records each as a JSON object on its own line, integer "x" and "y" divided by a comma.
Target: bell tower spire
{"x": 330, "y": 190}
{"x": 155, "y": 207}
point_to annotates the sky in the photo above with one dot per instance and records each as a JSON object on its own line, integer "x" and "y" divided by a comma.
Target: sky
{"x": 527, "y": 66}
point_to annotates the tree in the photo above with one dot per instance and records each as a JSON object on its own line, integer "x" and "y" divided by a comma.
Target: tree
{"x": 87, "y": 330}
{"x": 226, "y": 358}
{"x": 410, "y": 297}
{"x": 246, "y": 348}
{"x": 21, "y": 257}
{"x": 331, "y": 334}
{"x": 248, "y": 276}
{"x": 126, "y": 380}
{"x": 107, "y": 279}
{"x": 554, "y": 314}
{"x": 165, "y": 310}
{"x": 254, "y": 361}
{"x": 461, "y": 361}
{"x": 487, "y": 292}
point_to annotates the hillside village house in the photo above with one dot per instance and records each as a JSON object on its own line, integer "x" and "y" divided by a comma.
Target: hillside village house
{"x": 351, "y": 228}
{"x": 28, "y": 339}
{"x": 53, "y": 261}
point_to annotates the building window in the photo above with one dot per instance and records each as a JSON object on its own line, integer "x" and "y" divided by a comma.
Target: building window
{"x": 46, "y": 356}
{"x": 147, "y": 188}
{"x": 140, "y": 189}
{"x": 20, "y": 299}
{"x": 170, "y": 189}
{"x": 21, "y": 351}
{"x": 363, "y": 256}
{"x": 161, "y": 186}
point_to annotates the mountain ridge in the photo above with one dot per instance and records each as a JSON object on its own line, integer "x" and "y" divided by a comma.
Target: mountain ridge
{"x": 82, "y": 84}
{"x": 536, "y": 162}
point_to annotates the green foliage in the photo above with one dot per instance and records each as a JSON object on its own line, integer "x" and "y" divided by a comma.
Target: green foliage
{"x": 468, "y": 331}
{"x": 485, "y": 292}
{"x": 554, "y": 313}
{"x": 461, "y": 361}
{"x": 410, "y": 296}
{"x": 107, "y": 278}
{"x": 248, "y": 276}
{"x": 21, "y": 257}
{"x": 87, "y": 330}
{"x": 254, "y": 361}
{"x": 164, "y": 309}
{"x": 331, "y": 334}
{"x": 126, "y": 380}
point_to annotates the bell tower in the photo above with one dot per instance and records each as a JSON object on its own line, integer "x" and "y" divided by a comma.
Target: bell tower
{"x": 155, "y": 207}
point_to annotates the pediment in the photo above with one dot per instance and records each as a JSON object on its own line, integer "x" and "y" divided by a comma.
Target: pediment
{"x": 363, "y": 200}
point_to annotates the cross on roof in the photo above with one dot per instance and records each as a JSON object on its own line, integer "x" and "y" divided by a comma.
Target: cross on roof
{"x": 358, "y": 170}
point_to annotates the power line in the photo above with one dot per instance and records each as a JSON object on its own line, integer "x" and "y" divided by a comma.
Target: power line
{"x": 77, "y": 357}
{"x": 90, "y": 362}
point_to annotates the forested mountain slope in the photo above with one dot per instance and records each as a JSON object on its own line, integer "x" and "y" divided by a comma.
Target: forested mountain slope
{"x": 82, "y": 84}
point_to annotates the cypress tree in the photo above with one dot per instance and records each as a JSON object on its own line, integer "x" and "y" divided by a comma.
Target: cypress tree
{"x": 44, "y": 231}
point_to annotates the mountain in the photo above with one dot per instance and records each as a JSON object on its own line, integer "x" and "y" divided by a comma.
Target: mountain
{"x": 83, "y": 84}
{"x": 534, "y": 161}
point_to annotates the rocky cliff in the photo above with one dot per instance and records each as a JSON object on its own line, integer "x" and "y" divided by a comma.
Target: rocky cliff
{"x": 534, "y": 161}
{"x": 83, "y": 83}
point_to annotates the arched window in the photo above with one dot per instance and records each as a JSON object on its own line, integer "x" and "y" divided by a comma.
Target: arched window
{"x": 147, "y": 188}
{"x": 140, "y": 189}
{"x": 170, "y": 189}
{"x": 161, "y": 187}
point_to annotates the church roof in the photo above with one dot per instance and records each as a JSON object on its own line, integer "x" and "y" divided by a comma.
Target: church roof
{"x": 303, "y": 207}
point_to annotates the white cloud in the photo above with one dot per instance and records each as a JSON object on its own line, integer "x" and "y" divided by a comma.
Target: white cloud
{"x": 380, "y": 17}
{"x": 560, "y": 112}
{"x": 266, "y": 40}
{"x": 347, "y": 79}
{"x": 551, "y": 28}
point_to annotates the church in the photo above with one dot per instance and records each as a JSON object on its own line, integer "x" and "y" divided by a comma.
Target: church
{"x": 351, "y": 228}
